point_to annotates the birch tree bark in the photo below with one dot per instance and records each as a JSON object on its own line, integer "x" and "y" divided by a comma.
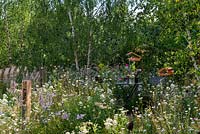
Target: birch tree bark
{"x": 73, "y": 38}
{"x": 192, "y": 57}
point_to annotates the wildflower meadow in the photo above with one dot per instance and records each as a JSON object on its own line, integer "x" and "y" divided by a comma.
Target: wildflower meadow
{"x": 80, "y": 106}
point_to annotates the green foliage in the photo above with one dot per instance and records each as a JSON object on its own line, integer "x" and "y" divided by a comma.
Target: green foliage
{"x": 48, "y": 33}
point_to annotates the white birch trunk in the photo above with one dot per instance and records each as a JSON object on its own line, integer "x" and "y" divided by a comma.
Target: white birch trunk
{"x": 192, "y": 57}
{"x": 73, "y": 36}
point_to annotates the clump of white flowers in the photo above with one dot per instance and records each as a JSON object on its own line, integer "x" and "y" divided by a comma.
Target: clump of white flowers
{"x": 87, "y": 127}
{"x": 117, "y": 124}
{"x": 9, "y": 112}
{"x": 110, "y": 123}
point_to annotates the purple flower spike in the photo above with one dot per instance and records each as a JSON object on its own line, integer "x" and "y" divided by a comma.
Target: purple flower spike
{"x": 80, "y": 116}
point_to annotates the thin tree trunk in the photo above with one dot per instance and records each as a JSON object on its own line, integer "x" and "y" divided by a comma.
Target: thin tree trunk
{"x": 73, "y": 36}
{"x": 89, "y": 48}
{"x": 89, "y": 52}
{"x": 192, "y": 57}
{"x": 76, "y": 60}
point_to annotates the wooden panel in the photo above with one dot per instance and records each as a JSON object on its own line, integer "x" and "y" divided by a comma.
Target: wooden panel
{"x": 6, "y": 74}
{"x": 12, "y": 72}
{"x": 37, "y": 76}
{"x": 1, "y": 74}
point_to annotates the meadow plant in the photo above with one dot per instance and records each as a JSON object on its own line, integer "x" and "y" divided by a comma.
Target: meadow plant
{"x": 173, "y": 110}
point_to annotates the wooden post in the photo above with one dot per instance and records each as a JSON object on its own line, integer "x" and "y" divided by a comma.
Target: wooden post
{"x": 26, "y": 99}
{"x": 42, "y": 76}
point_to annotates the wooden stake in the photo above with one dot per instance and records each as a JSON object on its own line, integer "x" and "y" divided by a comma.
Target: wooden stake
{"x": 26, "y": 99}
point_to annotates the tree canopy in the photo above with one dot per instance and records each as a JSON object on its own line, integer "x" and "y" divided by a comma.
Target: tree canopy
{"x": 75, "y": 33}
